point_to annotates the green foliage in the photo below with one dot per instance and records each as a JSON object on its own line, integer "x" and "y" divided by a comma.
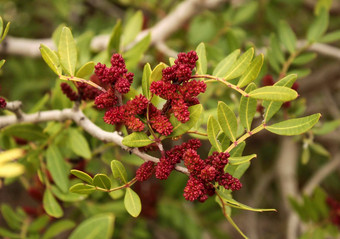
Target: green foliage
{"x": 132, "y": 202}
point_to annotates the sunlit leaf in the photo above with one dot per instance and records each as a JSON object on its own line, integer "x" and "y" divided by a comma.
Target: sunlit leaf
{"x": 227, "y": 120}
{"x": 51, "y": 59}
{"x": 273, "y": 93}
{"x": 67, "y": 51}
{"x": 137, "y": 139}
{"x": 102, "y": 181}
{"x": 119, "y": 171}
{"x": 86, "y": 70}
{"x": 82, "y": 175}
{"x": 201, "y": 64}
{"x": 82, "y": 188}
{"x": 51, "y": 205}
{"x": 248, "y": 107}
{"x": 240, "y": 65}
{"x": 213, "y": 129}
{"x": 252, "y": 71}
{"x": 132, "y": 202}
{"x": 225, "y": 65}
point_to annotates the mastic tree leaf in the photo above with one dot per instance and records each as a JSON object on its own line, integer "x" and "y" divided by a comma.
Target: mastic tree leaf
{"x": 304, "y": 58}
{"x": 319, "y": 149}
{"x": 58, "y": 168}
{"x": 305, "y": 156}
{"x": 67, "y": 51}
{"x": 201, "y": 64}
{"x": 68, "y": 196}
{"x": 287, "y": 36}
{"x": 213, "y": 128}
{"x": 5, "y": 32}
{"x": 132, "y": 202}
{"x": 181, "y": 128}
{"x": 57, "y": 228}
{"x": 82, "y": 175}
{"x": 51, "y": 205}
{"x": 1, "y": 26}
{"x": 225, "y": 65}
{"x": 273, "y": 61}
{"x": 29, "y": 132}
{"x": 146, "y": 81}
{"x": 102, "y": 181}
{"x": 327, "y": 127}
{"x": 51, "y": 59}
{"x": 273, "y": 93}
{"x": 252, "y": 71}
{"x": 156, "y": 74}
{"x": 137, "y": 139}
{"x": 276, "y": 48}
{"x": 38, "y": 224}
{"x": 330, "y": 37}
{"x": 241, "y": 160}
{"x": 98, "y": 226}
{"x": 2, "y": 62}
{"x": 82, "y": 188}
{"x": 13, "y": 220}
{"x": 294, "y": 126}
{"x": 133, "y": 55}
{"x": 132, "y": 28}
{"x": 114, "y": 41}
{"x": 227, "y": 119}
{"x": 86, "y": 70}
{"x": 240, "y": 65}
{"x": 78, "y": 143}
{"x": 319, "y": 26}
{"x": 119, "y": 171}
{"x": 247, "y": 108}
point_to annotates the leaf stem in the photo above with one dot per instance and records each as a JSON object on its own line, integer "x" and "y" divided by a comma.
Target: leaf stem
{"x": 214, "y": 78}
{"x": 198, "y": 133}
{"x": 245, "y": 136}
{"x": 127, "y": 185}
{"x": 73, "y": 78}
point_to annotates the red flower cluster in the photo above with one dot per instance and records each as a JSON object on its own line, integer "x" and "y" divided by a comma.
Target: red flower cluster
{"x": 176, "y": 88}
{"x": 85, "y": 91}
{"x": 204, "y": 173}
{"x": 2, "y": 103}
{"x": 334, "y": 211}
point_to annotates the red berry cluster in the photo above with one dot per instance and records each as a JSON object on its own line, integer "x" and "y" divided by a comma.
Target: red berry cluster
{"x": 204, "y": 173}
{"x": 2, "y": 102}
{"x": 85, "y": 91}
{"x": 176, "y": 88}
{"x": 334, "y": 211}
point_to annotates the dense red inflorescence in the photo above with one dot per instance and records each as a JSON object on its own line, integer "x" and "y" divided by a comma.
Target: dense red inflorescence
{"x": 2, "y": 103}
{"x": 334, "y": 211}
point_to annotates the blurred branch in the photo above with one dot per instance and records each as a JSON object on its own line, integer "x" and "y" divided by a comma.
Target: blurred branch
{"x": 159, "y": 33}
{"x": 80, "y": 119}
{"x": 321, "y": 174}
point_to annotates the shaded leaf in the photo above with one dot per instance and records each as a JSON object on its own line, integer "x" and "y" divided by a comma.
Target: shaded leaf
{"x": 252, "y": 71}
{"x": 319, "y": 26}
{"x": 2, "y": 62}
{"x": 68, "y": 196}
{"x": 327, "y": 127}
{"x": 13, "y": 220}
{"x": 330, "y": 37}
{"x": 294, "y": 126}
{"x": 78, "y": 143}
{"x": 241, "y": 65}
{"x": 287, "y": 36}
{"x": 137, "y": 139}
{"x": 201, "y": 64}
{"x": 58, "y": 168}
{"x": 51, "y": 59}
{"x": 132, "y": 28}
{"x": 57, "y": 228}
{"x": 29, "y": 132}
{"x": 146, "y": 82}
{"x": 98, "y": 226}
{"x": 82, "y": 188}
{"x": 319, "y": 149}
{"x": 133, "y": 55}
{"x": 82, "y": 175}
{"x": 276, "y": 49}
{"x": 51, "y": 206}
{"x": 114, "y": 41}
{"x": 225, "y": 65}
{"x": 304, "y": 58}
{"x": 132, "y": 202}
{"x": 305, "y": 156}
{"x": 86, "y": 70}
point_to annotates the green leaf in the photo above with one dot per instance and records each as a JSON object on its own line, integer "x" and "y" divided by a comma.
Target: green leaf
{"x": 2, "y": 62}
{"x": 114, "y": 41}
{"x": 102, "y": 181}
{"x": 244, "y": 13}
{"x": 238, "y": 150}
{"x": 119, "y": 171}
{"x": 252, "y": 71}
{"x": 58, "y": 168}
{"x": 38, "y": 224}
{"x": 330, "y": 37}
{"x": 29, "y": 132}
{"x": 273, "y": 61}
{"x": 241, "y": 160}
{"x": 305, "y": 156}
{"x": 273, "y": 93}
{"x": 8, "y": 234}
{"x": 247, "y": 108}
{"x": 78, "y": 143}
{"x": 137, "y": 139}
{"x": 51, "y": 59}
{"x": 225, "y": 65}
{"x": 294, "y": 126}
{"x": 304, "y": 58}
{"x": 146, "y": 81}
{"x": 1, "y": 26}
{"x": 56, "y": 34}
{"x": 272, "y": 107}
{"x": 327, "y": 127}
{"x": 51, "y": 206}
{"x": 99, "y": 226}
{"x": 201, "y": 64}
{"x": 4, "y": 34}
{"x": 287, "y": 36}
{"x": 213, "y": 129}
{"x": 132, "y": 202}
{"x": 67, "y": 197}
{"x": 240, "y": 170}
{"x": 133, "y": 55}
{"x": 319, "y": 26}
{"x": 132, "y": 28}
{"x": 57, "y": 228}
{"x": 82, "y": 188}
{"x": 12, "y": 219}
{"x": 181, "y": 128}
{"x": 156, "y": 74}
{"x": 227, "y": 119}
{"x": 276, "y": 49}
{"x": 82, "y": 175}
{"x": 67, "y": 51}
{"x": 241, "y": 65}
{"x": 319, "y": 149}
{"x": 86, "y": 70}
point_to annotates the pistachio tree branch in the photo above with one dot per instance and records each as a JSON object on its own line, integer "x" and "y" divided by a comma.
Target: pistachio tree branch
{"x": 159, "y": 32}
{"x": 81, "y": 120}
